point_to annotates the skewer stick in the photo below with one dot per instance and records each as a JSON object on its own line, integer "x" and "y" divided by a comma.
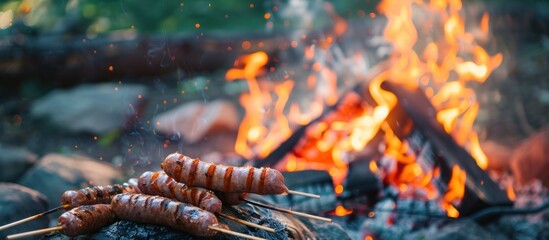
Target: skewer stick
{"x": 242, "y": 235}
{"x": 288, "y": 211}
{"x": 36, "y": 232}
{"x": 247, "y": 223}
{"x": 33, "y": 217}
{"x": 304, "y": 194}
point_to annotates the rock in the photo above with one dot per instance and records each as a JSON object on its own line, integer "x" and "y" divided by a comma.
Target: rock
{"x": 195, "y": 120}
{"x": 96, "y": 109}
{"x": 498, "y": 155}
{"x": 14, "y": 162}
{"x": 56, "y": 173}
{"x": 531, "y": 159}
{"x": 18, "y": 202}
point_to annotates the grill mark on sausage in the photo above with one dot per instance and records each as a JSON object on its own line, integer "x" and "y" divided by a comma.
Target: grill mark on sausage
{"x": 250, "y": 179}
{"x": 194, "y": 193}
{"x": 210, "y": 175}
{"x": 116, "y": 189}
{"x": 192, "y": 171}
{"x": 162, "y": 204}
{"x": 118, "y": 197}
{"x": 87, "y": 211}
{"x": 77, "y": 215}
{"x": 87, "y": 193}
{"x": 262, "y": 180}
{"x": 147, "y": 200}
{"x": 130, "y": 198}
{"x": 227, "y": 179}
{"x": 178, "y": 169}
{"x": 100, "y": 191}
{"x": 201, "y": 197}
{"x": 171, "y": 187}
{"x": 178, "y": 210}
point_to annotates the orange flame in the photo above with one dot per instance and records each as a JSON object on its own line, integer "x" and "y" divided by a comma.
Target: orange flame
{"x": 443, "y": 68}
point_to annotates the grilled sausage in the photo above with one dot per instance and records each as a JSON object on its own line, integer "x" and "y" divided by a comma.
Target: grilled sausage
{"x": 163, "y": 211}
{"x": 196, "y": 173}
{"x": 159, "y": 183}
{"x": 90, "y": 196}
{"x": 230, "y": 199}
{"x": 86, "y": 219}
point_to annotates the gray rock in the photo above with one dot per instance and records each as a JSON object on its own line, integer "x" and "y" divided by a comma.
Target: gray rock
{"x": 56, "y": 173}
{"x": 95, "y": 109}
{"x": 14, "y": 162}
{"x": 195, "y": 120}
{"x": 18, "y": 202}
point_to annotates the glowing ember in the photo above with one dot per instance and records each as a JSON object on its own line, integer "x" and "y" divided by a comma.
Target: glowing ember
{"x": 341, "y": 211}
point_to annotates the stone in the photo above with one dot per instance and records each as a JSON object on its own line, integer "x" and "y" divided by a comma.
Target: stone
{"x": 55, "y": 174}
{"x": 195, "y": 120}
{"x": 14, "y": 161}
{"x": 18, "y": 202}
{"x": 498, "y": 155}
{"x": 530, "y": 160}
{"x": 96, "y": 109}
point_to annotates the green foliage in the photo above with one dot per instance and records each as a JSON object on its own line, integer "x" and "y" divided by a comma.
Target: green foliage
{"x": 98, "y": 17}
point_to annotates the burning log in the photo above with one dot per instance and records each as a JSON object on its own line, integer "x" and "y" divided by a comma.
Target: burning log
{"x": 414, "y": 119}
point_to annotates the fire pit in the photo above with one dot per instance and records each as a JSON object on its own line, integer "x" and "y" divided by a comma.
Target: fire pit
{"x": 393, "y": 112}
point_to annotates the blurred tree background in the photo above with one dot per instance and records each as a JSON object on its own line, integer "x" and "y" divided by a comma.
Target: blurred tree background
{"x": 97, "y": 17}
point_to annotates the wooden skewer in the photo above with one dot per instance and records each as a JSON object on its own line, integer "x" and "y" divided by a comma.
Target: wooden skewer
{"x": 304, "y": 194}
{"x": 36, "y": 232}
{"x": 288, "y": 211}
{"x": 246, "y": 222}
{"x": 223, "y": 230}
{"x": 33, "y": 217}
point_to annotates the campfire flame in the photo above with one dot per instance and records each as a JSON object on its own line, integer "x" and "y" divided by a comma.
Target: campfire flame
{"x": 444, "y": 68}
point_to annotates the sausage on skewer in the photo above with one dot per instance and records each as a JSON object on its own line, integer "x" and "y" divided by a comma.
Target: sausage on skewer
{"x": 75, "y": 198}
{"x": 163, "y": 211}
{"x": 86, "y": 219}
{"x": 159, "y": 183}
{"x": 78, "y": 221}
{"x": 196, "y": 173}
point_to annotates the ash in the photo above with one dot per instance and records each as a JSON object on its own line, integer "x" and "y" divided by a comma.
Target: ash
{"x": 396, "y": 218}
